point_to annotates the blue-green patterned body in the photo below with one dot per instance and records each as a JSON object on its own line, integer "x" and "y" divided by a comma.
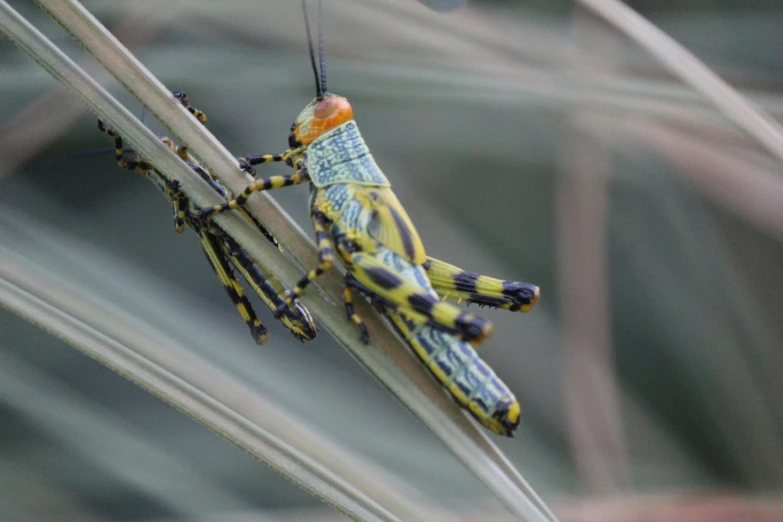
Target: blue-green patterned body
{"x": 358, "y": 220}
{"x": 348, "y": 189}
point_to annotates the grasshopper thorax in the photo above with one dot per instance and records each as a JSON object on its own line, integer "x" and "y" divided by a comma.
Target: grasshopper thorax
{"x": 321, "y": 115}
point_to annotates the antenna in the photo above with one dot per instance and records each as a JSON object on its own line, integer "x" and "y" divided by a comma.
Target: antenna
{"x": 322, "y": 62}
{"x": 318, "y": 85}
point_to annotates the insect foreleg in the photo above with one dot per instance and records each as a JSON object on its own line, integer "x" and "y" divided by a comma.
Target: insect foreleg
{"x": 452, "y": 282}
{"x": 247, "y": 163}
{"x": 325, "y": 258}
{"x": 273, "y": 182}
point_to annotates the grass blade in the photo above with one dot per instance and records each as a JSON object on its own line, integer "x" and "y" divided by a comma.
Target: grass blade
{"x": 443, "y": 5}
{"x": 155, "y": 362}
{"x": 692, "y": 71}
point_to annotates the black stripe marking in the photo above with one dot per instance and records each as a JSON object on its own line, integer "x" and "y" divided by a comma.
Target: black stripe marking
{"x": 257, "y": 330}
{"x": 465, "y": 282}
{"x": 501, "y": 415}
{"x": 405, "y": 234}
{"x": 483, "y": 300}
{"x": 264, "y": 231}
{"x": 470, "y": 326}
{"x": 520, "y": 293}
{"x": 422, "y": 303}
{"x": 325, "y": 254}
{"x": 320, "y": 217}
{"x": 233, "y": 249}
{"x": 383, "y": 278}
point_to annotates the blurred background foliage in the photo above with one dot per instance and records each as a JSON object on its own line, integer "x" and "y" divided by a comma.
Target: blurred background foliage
{"x": 528, "y": 141}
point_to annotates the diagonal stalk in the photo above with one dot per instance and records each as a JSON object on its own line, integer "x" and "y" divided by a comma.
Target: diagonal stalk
{"x": 742, "y": 112}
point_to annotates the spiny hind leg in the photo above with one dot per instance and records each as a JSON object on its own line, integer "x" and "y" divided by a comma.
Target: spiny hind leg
{"x": 325, "y": 258}
{"x": 452, "y": 282}
{"x": 350, "y": 283}
{"x": 416, "y": 301}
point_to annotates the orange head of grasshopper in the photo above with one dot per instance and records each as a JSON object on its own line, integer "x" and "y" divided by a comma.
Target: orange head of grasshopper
{"x": 321, "y": 115}
{"x": 327, "y": 110}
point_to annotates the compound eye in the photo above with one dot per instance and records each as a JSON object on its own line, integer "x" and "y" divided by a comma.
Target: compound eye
{"x": 325, "y": 108}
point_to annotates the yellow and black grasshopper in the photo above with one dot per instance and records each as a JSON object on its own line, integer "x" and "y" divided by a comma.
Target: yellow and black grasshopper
{"x": 220, "y": 249}
{"x": 356, "y": 216}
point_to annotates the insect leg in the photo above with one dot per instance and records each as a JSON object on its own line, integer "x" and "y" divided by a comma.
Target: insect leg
{"x": 141, "y": 166}
{"x": 178, "y": 199}
{"x": 416, "y": 301}
{"x": 297, "y": 318}
{"x": 273, "y": 182}
{"x": 183, "y": 99}
{"x": 325, "y": 257}
{"x": 219, "y": 263}
{"x": 245, "y": 163}
{"x": 180, "y": 204}
{"x": 364, "y": 335}
{"x": 452, "y": 282}
{"x": 248, "y": 162}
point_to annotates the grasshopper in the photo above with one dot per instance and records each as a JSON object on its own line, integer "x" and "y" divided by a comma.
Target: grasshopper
{"x": 221, "y": 250}
{"x": 358, "y": 219}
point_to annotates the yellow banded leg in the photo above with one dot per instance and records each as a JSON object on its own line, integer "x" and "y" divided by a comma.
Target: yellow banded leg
{"x": 452, "y": 282}
{"x": 141, "y": 166}
{"x": 416, "y": 301}
{"x": 180, "y": 150}
{"x": 219, "y": 263}
{"x": 183, "y": 99}
{"x": 273, "y": 182}
{"x": 180, "y": 204}
{"x": 325, "y": 259}
{"x": 364, "y": 335}
{"x": 296, "y": 318}
{"x": 245, "y": 163}
{"x": 173, "y": 192}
